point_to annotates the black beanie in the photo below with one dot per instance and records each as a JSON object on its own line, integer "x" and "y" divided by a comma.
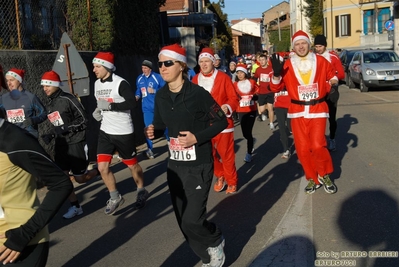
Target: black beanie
{"x": 147, "y": 63}
{"x": 320, "y": 40}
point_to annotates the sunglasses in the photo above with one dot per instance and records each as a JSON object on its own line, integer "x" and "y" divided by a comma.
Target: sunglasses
{"x": 167, "y": 63}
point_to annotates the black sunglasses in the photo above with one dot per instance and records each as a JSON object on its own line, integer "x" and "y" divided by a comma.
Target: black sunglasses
{"x": 167, "y": 63}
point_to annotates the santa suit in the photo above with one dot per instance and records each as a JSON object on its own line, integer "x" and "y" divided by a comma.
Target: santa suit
{"x": 246, "y": 89}
{"x": 309, "y": 113}
{"x": 220, "y": 86}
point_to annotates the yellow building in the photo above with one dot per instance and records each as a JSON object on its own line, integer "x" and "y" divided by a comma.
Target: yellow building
{"x": 358, "y": 24}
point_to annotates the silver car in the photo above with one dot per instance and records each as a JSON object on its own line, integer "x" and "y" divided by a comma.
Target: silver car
{"x": 374, "y": 68}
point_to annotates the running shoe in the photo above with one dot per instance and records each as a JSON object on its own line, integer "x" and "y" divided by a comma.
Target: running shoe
{"x": 248, "y": 157}
{"x": 329, "y": 186}
{"x": 271, "y": 125}
{"x": 286, "y": 155}
{"x": 332, "y": 145}
{"x": 149, "y": 154}
{"x": 264, "y": 117}
{"x": 113, "y": 205}
{"x": 217, "y": 255}
{"x": 141, "y": 199}
{"x": 72, "y": 212}
{"x": 231, "y": 189}
{"x": 311, "y": 187}
{"x": 219, "y": 185}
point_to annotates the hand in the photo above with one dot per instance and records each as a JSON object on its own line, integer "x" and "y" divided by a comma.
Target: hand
{"x": 28, "y": 122}
{"x": 149, "y": 131}
{"x": 277, "y": 65}
{"x": 225, "y": 109}
{"x": 61, "y": 129}
{"x": 97, "y": 114}
{"x": 186, "y": 138}
{"x": 8, "y": 255}
{"x": 103, "y": 104}
{"x": 47, "y": 138}
{"x": 333, "y": 96}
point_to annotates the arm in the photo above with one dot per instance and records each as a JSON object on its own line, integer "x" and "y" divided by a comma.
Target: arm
{"x": 218, "y": 120}
{"x": 340, "y": 73}
{"x": 40, "y": 111}
{"x": 31, "y": 157}
{"x": 127, "y": 93}
{"x": 79, "y": 122}
{"x": 232, "y": 97}
{"x": 138, "y": 91}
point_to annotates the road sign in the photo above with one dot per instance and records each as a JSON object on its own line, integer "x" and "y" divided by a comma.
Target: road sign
{"x": 389, "y": 25}
{"x": 69, "y": 62}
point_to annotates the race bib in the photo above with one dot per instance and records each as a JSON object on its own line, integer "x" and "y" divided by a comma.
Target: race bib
{"x": 180, "y": 153}
{"x": 143, "y": 92}
{"x": 308, "y": 92}
{"x": 264, "y": 78}
{"x": 246, "y": 101}
{"x": 15, "y": 115}
{"x": 55, "y": 118}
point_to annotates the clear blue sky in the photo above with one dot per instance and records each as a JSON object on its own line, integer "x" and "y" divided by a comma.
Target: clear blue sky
{"x": 237, "y": 9}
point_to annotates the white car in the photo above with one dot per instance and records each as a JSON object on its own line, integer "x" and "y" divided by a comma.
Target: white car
{"x": 374, "y": 69}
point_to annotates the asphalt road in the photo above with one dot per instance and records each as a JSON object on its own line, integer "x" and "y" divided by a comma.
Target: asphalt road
{"x": 270, "y": 221}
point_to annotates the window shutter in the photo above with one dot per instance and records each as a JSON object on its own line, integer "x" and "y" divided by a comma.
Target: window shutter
{"x": 349, "y": 25}
{"x": 337, "y": 26}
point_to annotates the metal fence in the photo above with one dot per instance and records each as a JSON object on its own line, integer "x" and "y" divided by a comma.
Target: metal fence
{"x": 32, "y": 24}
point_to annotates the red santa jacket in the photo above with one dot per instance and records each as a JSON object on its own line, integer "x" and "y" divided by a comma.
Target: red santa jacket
{"x": 220, "y": 86}
{"x": 262, "y": 75}
{"x": 246, "y": 89}
{"x": 336, "y": 62}
{"x": 317, "y": 88}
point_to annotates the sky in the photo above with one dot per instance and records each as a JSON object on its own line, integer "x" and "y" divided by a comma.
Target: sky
{"x": 240, "y": 9}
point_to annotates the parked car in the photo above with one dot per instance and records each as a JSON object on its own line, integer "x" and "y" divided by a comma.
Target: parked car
{"x": 374, "y": 68}
{"x": 346, "y": 56}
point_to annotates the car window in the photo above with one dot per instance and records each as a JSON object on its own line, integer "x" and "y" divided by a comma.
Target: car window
{"x": 356, "y": 56}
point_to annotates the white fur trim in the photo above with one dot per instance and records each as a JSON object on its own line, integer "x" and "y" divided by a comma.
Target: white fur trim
{"x": 104, "y": 63}
{"x": 50, "y": 83}
{"x": 300, "y": 37}
{"x": 242, "y": 69}
{"x": 15, "y": 75}
{"x": 205, "y": 54}
{"x": 173, "y": 54}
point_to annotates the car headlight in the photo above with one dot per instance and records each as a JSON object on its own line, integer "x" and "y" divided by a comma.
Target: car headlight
{"x": 370, "y": 72}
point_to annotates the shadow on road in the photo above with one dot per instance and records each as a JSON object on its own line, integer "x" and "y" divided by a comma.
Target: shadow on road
{"x": 370, "y": 219}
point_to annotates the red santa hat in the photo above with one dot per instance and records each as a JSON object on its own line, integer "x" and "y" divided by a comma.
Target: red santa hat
{"x": 174, "y": 51}
{"x": 300, "y": 35}
{"x": 208, "y": 53}
{"x": 51, "y": 78}
{"x": 16, "y": 73}
{"x": 242, "y": 67}
{"x": 105, "y": 59}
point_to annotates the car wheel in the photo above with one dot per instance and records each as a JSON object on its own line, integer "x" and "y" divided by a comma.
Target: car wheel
{"x": 363, "y": 86}
{"x": 351, "y": 83}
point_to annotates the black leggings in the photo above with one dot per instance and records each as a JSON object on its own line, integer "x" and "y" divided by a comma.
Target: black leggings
{"x": 284, "y": 126}
{"x": 332, "y": 110}
{"x": 33, "y": 256}
{"x": 247, "y": 123}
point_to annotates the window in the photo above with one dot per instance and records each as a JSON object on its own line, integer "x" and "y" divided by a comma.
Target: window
{"x": 343, "y": 25}
{"x": 368, "y": 21}
{"x": 383, "y": 16}
{"x": 370, "y": 25}
{"x": 325, "y": 27}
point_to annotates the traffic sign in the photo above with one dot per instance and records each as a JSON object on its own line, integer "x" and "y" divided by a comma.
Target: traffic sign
{"x": 389, "y": 25}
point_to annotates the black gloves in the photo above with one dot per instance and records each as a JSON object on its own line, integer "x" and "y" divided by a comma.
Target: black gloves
{"x": 61, "y": 129}
{"x": 47, "y": 138}
{"x": 27, "y": 122}
{"x": 333, "y": 96}
{"x": 277, "y": 65}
